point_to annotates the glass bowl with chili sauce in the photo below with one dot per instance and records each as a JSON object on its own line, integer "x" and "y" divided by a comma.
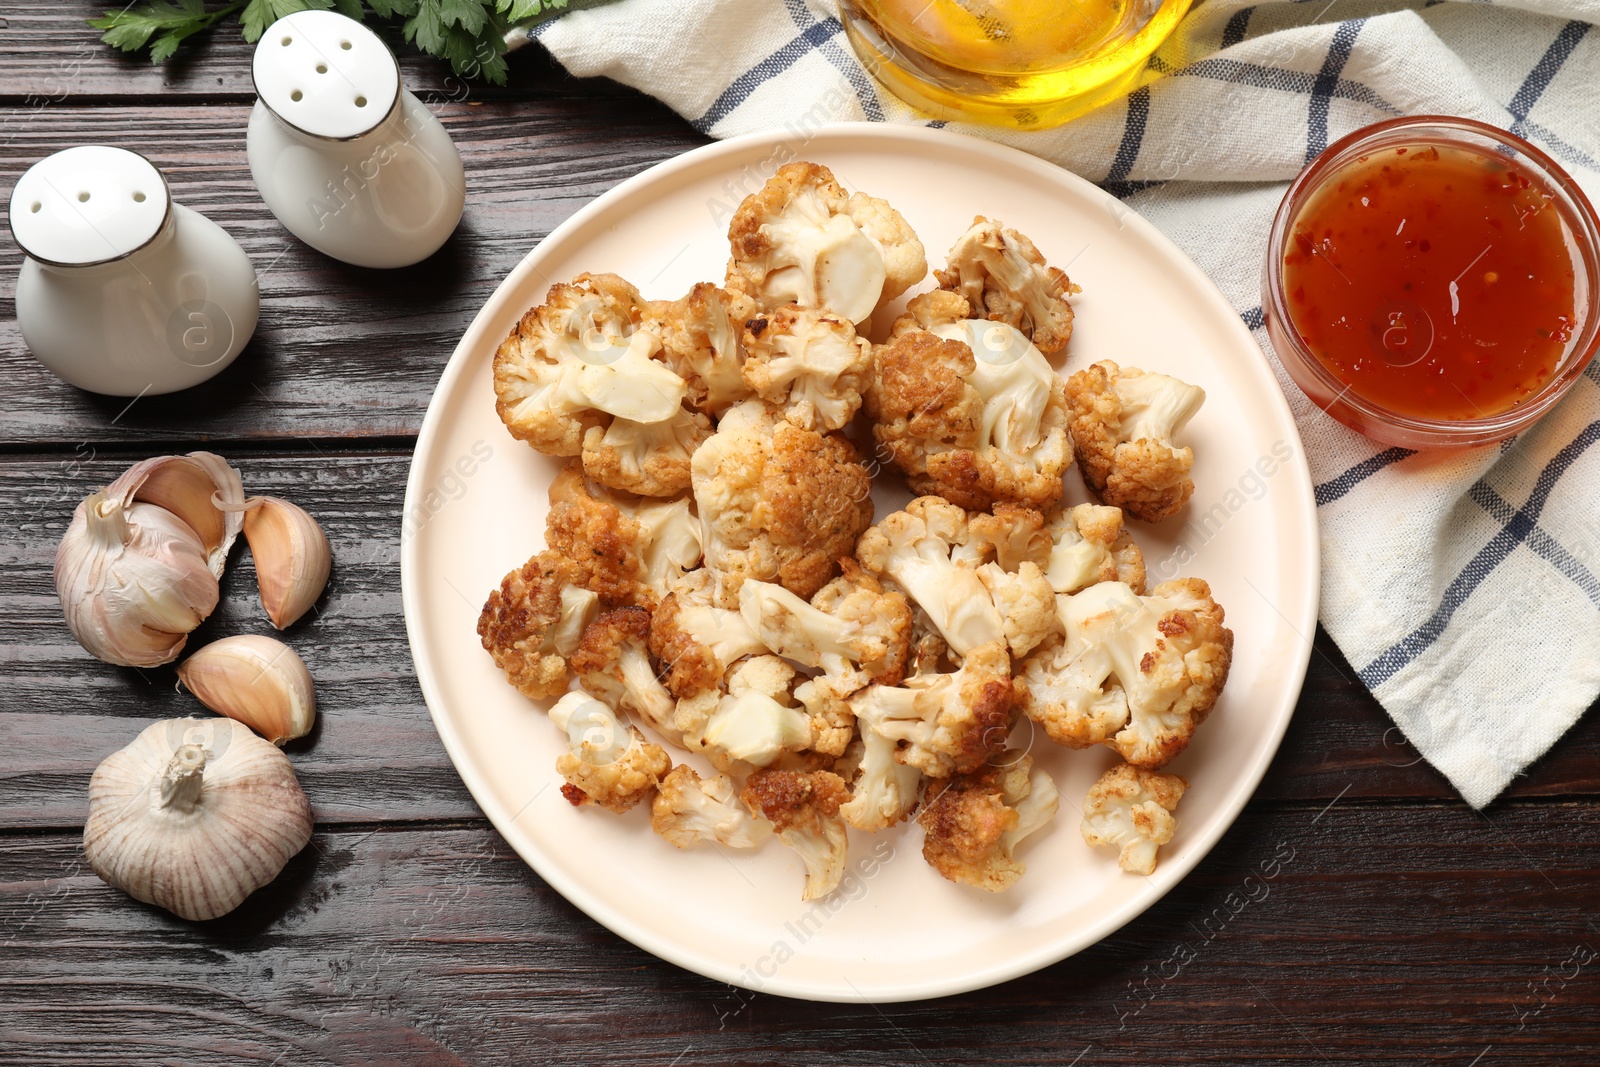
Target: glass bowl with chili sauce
{"x": 1434, "y": 282}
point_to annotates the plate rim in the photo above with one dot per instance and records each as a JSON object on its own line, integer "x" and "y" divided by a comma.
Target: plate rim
{"x": 704, "y": 964}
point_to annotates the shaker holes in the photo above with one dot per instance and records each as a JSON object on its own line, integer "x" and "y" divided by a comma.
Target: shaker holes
{"x": 83, "y": 198}
{"x": 361, "y": 101}
{"x": 35, "y": 207}
{"x": 138, "y": 198}
{"x": 322, "y": 68}
{"x": 287, "y": 41}
{"x": 345, "y": 45}
{"x": 296, "y": 96}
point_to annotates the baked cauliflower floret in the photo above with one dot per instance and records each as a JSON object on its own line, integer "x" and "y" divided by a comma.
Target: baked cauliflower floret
{"x": 1123, "y": 424}
{"x": 851, "y": 620}
{"x": 696, "y": 641}
{"x": 810, "y": 363}
{"x": 627, "y": 549}
{"x": 688, "y": 809}
{"x": 577, "y": 362}
{"x": 609, "y": 764}
{"x": 1089, "y": 544}
{"x": 646, "y": 458}
{"x": 1136, "y": 673}
{"x": 1005, "y": 279}
{"x": 956, "y": 721}
{"x": 804, "y": 808}
{"x": 883, "y": 790}
{"x": 1131, "y": 809}
{"x": 752, "y": 724}
{"x": 800, "y": 240}
{"x": 937, "y": 553}
{"x": 973, "y": 822}
{"x": 968, "y": 408}
{"x": 777, "y": 502}
{"x": 1009, "y": 534}
{"x": 1026, "y": 603}
{"x": 533, "y": 622}
{"x": 613, "y": 663}
{"x": 700, "y": 342}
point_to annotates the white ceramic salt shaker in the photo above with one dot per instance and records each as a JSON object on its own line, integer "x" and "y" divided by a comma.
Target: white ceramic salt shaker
{"x": 122, "y": 291}
{"x": 352, "y": 163}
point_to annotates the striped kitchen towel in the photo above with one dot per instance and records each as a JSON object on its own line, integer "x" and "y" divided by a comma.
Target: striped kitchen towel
{"x": 1462, "y": 587}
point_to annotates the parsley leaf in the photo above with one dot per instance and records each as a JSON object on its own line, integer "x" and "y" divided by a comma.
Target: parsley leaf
{"x": 469, "y": 34}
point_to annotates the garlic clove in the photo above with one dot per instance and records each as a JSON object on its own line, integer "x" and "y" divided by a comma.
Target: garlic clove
{"x": 133, "y": 579}
{"x": 292, "y": 557}
{"x": 259, "y": 681}
{"x": 200, "y": 488}
{"x": 194, "y": 816}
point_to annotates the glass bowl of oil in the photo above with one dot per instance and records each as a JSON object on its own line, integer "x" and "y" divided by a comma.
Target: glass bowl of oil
{"x": 1022, "y": 63}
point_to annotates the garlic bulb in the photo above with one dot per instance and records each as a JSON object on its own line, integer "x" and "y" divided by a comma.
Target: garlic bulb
{"x": 259, "y": 681}
{"x": 137, "y": 568}
{"x": 194, "y": 816}
{"x": 291, "y": 554}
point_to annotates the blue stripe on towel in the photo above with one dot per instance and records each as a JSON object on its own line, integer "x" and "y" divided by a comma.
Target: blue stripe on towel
{"x": 1344, "y": 40}
{"x": 1512, "y": 534}
{"x": 843, "y": 60}
{"x": 1334, "y": 488}
{"x": 1289, "y": 81}
{"x": 1238, "y": 25}
{"x": 1541, "y": 542}
{"x": 747, "y": 83}
{"x": 1544, "y": 72}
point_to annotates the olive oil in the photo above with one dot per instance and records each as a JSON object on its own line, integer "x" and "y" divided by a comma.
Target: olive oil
{"x": 1024, "y": 63}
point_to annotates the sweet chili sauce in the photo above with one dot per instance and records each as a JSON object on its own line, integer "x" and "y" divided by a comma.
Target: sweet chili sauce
{"x": 1434, "y": 281}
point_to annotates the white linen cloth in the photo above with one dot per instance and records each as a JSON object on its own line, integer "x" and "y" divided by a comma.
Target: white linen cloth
{"x": 1461, "y": 587}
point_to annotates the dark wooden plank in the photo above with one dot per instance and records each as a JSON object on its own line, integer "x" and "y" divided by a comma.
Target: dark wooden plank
{"x": 47, "y": 51}
{"x": 340, "y": 351}
{"x": 376, "y": 756}
{"x": 1371, "y": 934}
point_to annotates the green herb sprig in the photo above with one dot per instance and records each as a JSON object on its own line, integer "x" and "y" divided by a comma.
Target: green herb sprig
{"x": 469, "y": 34}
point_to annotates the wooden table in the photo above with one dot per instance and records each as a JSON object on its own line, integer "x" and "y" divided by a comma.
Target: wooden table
{"x": 1401, "y": 926}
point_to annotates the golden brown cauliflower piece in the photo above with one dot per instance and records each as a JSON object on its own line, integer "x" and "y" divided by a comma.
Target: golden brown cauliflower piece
{"x": 608, "y": 763}
{"x": 688, "y": 809}
{"x": 645, "y": 458}
{"x": 801, "y": 240}
{"x": 625, "y": 549}
{"x": 613, "y": 663}
{"x": 1005, "y": 279}
{"x": 1123, "y": 424}
{"x": 1090, "y": 544}
{"x": 755, "y": 723}
{"x": 533, "y": 622}
{"x": 1138, "y": 674}
{"x": 969, "y": 409}
{"x": 949, "y": 563}
{"x": 700, "y": 341}
{"x": 853, "y": 632}
{"x": 777, "y": 502}
{"x": 1131, "y": 809}
{"x": 954, "y": 722}
{"x": 578, "y": 377}
{"x": 810, "y": 363}
{"x": 696, "y": 641}
{"x": 973, "y": 822}
{"x": 804, "y": 808}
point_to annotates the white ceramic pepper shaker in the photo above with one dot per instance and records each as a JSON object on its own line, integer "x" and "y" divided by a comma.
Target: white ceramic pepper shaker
{"x": 124, "y": 292}
{"x": 352, "y": 163}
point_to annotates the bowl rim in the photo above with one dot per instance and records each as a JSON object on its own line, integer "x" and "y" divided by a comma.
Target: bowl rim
{"x": 1577, "y": 211}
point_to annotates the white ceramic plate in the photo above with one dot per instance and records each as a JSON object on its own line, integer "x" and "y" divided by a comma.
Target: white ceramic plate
{"x": 895, "y": 930}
